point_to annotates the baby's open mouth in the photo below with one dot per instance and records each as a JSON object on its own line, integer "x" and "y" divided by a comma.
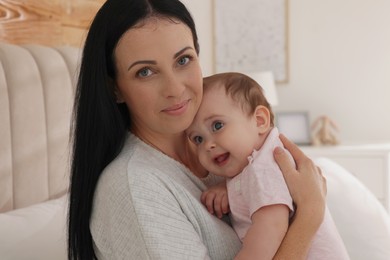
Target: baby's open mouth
{"x": 221, "y": 159}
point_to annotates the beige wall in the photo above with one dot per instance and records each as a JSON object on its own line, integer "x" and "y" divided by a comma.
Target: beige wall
{"x": 339, "y": 62}
{"x": 202, "y": 13}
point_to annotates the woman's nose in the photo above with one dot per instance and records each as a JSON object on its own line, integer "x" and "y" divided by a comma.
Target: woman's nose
{"x": 173, "y": 86}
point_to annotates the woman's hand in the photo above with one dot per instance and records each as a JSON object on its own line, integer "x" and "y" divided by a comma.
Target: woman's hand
{"x": 307, "y": 187}
{"x": 306, "y": 184}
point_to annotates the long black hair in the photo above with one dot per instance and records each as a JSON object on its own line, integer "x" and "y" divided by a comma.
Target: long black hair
{"x": 100, "y": 124}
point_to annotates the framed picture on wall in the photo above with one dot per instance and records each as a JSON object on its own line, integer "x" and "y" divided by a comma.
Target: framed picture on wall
{"x": 251, "y": 35}
{"x": 295, "y": 126}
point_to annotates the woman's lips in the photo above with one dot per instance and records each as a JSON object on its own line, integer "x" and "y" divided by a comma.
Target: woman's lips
{"x": 222, "y": 159}
{"x": 177, "y": 109}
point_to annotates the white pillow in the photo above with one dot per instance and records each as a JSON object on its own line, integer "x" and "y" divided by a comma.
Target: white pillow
{"x": 35, "y": 232}
{"x": 361, "y": 219}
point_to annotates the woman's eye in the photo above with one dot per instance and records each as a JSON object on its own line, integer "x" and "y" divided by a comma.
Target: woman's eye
{"x": 217, "y": 126}
{"x": 183, "y": 60}
{"x": 197, "y": 139}
{"x": 144, "y": 72}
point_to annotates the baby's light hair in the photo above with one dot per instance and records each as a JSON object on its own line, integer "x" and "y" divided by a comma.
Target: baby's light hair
{"x": 242, "y": 89}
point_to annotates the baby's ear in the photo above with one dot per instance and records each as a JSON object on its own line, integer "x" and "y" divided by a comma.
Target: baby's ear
{"x": 262, "y": 116}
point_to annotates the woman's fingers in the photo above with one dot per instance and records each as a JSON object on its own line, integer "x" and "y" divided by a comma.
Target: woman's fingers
{"x": 323, "y": 180}
{"x": 305, "y": 182}
{"x": 284, "y": 161}
{"x": 294, "y": 150}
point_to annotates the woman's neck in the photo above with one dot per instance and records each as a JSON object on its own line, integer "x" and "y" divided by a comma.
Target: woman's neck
{"x": 178, "y": 148}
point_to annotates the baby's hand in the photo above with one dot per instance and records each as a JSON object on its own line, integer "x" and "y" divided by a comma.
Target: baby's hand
{"x": 216, "y": 199}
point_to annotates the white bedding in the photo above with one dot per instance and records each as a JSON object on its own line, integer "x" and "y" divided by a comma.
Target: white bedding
{"x": 361, "y": 219}
{"x": 34, "y": 233}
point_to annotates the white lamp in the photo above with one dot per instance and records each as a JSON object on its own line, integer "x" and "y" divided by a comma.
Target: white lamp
{"x": 267, "y": 82}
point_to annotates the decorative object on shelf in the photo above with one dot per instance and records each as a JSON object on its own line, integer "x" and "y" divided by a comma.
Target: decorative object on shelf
{"x": 324, "y": 131}
{"x": 267, "y": 82}
{"x": 294, "y": 125}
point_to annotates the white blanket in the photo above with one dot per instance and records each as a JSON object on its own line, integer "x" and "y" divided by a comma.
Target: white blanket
{"x": 361, "y": 219}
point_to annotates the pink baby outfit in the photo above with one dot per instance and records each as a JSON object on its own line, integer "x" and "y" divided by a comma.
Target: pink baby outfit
{"x": 261, "y": 183}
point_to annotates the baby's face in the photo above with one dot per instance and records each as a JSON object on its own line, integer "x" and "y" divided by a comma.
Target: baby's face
{"x": 223, "y": 133}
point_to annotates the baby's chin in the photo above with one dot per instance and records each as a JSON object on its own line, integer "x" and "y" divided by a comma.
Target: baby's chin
{"x": 236, "y": 171}
{"x": 229, "y": 173}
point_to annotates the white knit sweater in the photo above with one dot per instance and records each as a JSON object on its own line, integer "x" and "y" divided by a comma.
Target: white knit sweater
{"x": 147, "y": 206}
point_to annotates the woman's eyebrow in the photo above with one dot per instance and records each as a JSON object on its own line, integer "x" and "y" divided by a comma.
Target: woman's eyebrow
{"x": 150, "y": 62}
{"x": 177, "y": 54}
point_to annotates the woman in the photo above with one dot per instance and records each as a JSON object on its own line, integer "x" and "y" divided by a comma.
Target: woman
{"x": 136, "y": 184}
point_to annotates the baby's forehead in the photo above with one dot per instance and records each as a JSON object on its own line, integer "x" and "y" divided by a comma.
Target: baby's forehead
{"x": 195, "y": 124}
{"x": 200, "y": 120}
{"x": 191, "y": 129}
{"x": 213, "y": 86}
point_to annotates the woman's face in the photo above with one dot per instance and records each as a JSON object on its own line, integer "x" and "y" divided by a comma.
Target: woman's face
{"x": 159, "y": 76}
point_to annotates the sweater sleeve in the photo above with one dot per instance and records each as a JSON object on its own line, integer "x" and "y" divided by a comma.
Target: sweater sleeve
{"x": 167, "y": 231}
{"x": 147, "y": 206}
{"x": 140, "y": 217}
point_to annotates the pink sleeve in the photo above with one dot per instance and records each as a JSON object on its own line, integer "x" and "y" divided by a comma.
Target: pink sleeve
{"x": 264, "y": 186}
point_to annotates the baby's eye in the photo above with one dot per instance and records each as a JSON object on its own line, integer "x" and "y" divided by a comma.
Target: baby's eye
{"x": 183, "y": 60}
{"x": 217, "y": 126}
{"x": 197, "y": 139}
{"x": 144, "y": 72}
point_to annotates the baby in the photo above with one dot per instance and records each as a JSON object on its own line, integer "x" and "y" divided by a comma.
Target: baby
{"x": 235, "y": 136}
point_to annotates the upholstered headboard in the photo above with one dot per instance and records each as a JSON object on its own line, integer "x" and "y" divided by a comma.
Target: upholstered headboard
{"x": 36, "y": 98}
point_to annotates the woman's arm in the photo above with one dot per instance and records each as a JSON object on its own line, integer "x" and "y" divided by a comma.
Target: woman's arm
{"x": 307, "y": 187}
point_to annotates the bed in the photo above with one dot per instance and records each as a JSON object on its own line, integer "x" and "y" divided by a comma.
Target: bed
{"x": 36, "y": 92}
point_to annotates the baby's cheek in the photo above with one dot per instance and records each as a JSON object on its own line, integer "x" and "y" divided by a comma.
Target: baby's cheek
{"x": 204, "y": 161}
